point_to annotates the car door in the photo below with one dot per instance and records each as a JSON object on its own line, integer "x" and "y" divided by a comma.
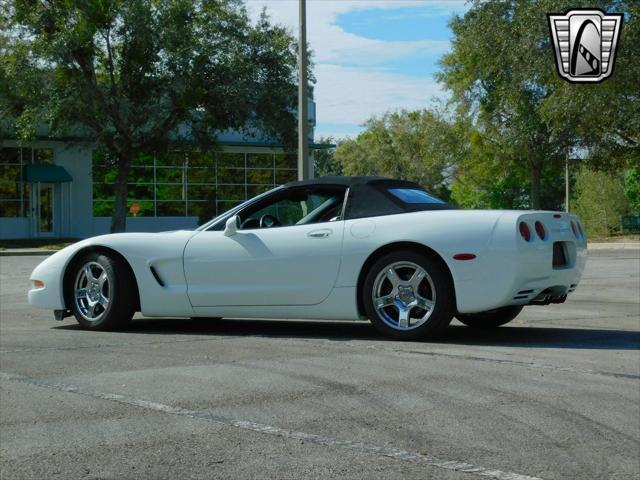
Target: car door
{"x": 288, "y": 263}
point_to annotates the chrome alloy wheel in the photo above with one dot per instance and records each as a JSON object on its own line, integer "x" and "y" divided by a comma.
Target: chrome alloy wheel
{"x": 91, "y": 291}
{"x": 404, "y": 295}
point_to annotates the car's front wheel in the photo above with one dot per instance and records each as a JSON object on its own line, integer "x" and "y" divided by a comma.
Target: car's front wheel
{"x": 408, "y": 296}
{"x": 100, "y": 293}
{"x": 491, "y": 318}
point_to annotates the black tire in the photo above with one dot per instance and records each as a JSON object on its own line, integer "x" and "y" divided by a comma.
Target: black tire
{"x": 490, "y": 318}
{"x": 120, "y": 290}
{"x": 442, "y": 311}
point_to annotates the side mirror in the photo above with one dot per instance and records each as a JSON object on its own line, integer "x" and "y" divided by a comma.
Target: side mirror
{"x": 232, "y": 226}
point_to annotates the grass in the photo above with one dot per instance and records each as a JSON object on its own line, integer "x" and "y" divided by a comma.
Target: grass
{"x": 45, "y": 244}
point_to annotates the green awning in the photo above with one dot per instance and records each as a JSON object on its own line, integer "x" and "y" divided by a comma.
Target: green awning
{"x": 46, "y": 174}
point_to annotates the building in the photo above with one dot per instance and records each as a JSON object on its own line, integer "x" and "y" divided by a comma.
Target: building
{"x": 64, "y": 189}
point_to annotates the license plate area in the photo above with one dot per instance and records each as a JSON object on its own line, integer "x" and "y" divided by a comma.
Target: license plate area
{"x": 560, "y": 255}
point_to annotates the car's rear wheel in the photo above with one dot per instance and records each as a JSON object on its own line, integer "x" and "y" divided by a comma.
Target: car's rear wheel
{"x": 491, "y": 318}
{"x": 100, "y": 293}
{"x": 407, "y": 296}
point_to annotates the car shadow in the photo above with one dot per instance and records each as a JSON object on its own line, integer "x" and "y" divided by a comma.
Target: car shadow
{"x": 506, "y": 336}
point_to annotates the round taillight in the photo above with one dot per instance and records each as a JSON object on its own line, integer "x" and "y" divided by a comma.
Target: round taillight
{"x": 574, "y": 227}
{"x": 525, "y": 231}
{"x": 541, "y": 231}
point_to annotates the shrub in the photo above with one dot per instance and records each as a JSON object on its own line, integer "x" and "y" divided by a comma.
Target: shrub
{"x": 632, "y": 189}
{"x": 600, "y": 201}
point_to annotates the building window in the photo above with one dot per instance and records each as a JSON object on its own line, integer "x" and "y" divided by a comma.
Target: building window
{"x": 14, "y": 190}
{"x": 190, "y": 183}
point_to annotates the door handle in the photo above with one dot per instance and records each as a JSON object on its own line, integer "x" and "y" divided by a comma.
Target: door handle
{"x": 320, "y": 233}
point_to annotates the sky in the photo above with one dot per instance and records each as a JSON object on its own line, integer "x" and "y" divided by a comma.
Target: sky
{"x": 370, "y": 56}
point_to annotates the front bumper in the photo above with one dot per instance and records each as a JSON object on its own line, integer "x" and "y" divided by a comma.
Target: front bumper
{"x": 50, "y": 271}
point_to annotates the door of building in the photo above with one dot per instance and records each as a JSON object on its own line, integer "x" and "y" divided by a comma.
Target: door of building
{"x": 45, "y": 209}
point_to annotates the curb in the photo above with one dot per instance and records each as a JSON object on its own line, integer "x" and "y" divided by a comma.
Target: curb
{"x": 24, "y": 253}
{"x": 613, "y": 246}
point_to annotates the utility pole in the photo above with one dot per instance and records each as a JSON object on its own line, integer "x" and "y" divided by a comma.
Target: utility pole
{"x": 566, "y": 183}
{"x": 303, "y": 122}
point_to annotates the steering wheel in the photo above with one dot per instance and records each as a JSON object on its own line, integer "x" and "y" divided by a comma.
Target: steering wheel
{"x": 250, "y": 223}
{"x": 268, "y": 221}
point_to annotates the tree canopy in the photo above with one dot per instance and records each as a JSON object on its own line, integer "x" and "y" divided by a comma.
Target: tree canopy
{"x": 421, "y": 146}
{"x": 501, "y": 73}
{"x": 511, "y": 121}
{"x": 325, "y": 163}
{"x": 137, "y": 75}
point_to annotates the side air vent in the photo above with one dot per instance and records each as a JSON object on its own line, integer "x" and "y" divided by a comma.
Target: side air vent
{"x": 156, "y": 276}
{"x": 524, "y": 294}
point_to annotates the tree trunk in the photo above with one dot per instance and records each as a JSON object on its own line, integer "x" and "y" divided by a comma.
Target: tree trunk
{"x": 536, "y": 174}
{"x": 119, "y": 218}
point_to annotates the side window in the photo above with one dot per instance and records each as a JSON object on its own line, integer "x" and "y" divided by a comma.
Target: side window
{"x": 298, "y": 206}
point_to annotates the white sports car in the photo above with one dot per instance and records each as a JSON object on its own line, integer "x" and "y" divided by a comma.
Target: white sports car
{"x": 342, "y": 248}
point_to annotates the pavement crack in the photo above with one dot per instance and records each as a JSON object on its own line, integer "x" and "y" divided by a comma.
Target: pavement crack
{"x": 105, "y": 345}
{"x": 535, "y": 365}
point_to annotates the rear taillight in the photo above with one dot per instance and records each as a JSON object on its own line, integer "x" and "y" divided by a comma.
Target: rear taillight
{"x": 525, "y": 231}
{"x": 580, "y": 229}
{"x": 541, "y": 231}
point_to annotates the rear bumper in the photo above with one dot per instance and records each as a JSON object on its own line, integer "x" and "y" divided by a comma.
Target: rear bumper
{"x": 512, "y": 271}
{"x": 542, "y": 288}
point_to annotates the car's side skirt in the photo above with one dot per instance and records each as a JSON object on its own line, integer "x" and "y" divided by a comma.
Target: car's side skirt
{"x": 339, "y": 305}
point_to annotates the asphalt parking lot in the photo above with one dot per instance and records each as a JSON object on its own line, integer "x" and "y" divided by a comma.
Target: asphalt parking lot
{"x": 554, "y": 395}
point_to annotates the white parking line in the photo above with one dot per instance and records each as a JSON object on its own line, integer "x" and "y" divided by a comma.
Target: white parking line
{"x": 398, "y": 454}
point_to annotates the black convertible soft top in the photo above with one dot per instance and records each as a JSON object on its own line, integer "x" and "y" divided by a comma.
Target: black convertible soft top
{"x": 370, "y": 196}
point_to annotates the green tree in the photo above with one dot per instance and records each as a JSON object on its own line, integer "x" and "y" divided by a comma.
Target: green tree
{"x": 600, "y": 201}
{"x": 325, "y": 163}
{"x": 632, "y": 188}
{"x": 604, "y": 117}
{"x": 501, "y": 73}
{"x": 137, "y": 75}
{"x": 484, "y": 179}
{"x": 422, "y": 146}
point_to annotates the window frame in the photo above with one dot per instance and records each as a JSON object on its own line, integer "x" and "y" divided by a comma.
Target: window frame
{"x": 252, "y": 179}
{"x": 283, "y": 194}
{"x": 219, "y": 223}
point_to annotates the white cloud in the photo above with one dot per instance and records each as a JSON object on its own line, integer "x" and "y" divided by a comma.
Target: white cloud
{"x": 351, "y": 85}
{"x": 352, "y": 95}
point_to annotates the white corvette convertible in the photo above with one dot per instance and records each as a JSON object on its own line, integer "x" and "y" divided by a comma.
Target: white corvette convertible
{"x": 342, "y": 248}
